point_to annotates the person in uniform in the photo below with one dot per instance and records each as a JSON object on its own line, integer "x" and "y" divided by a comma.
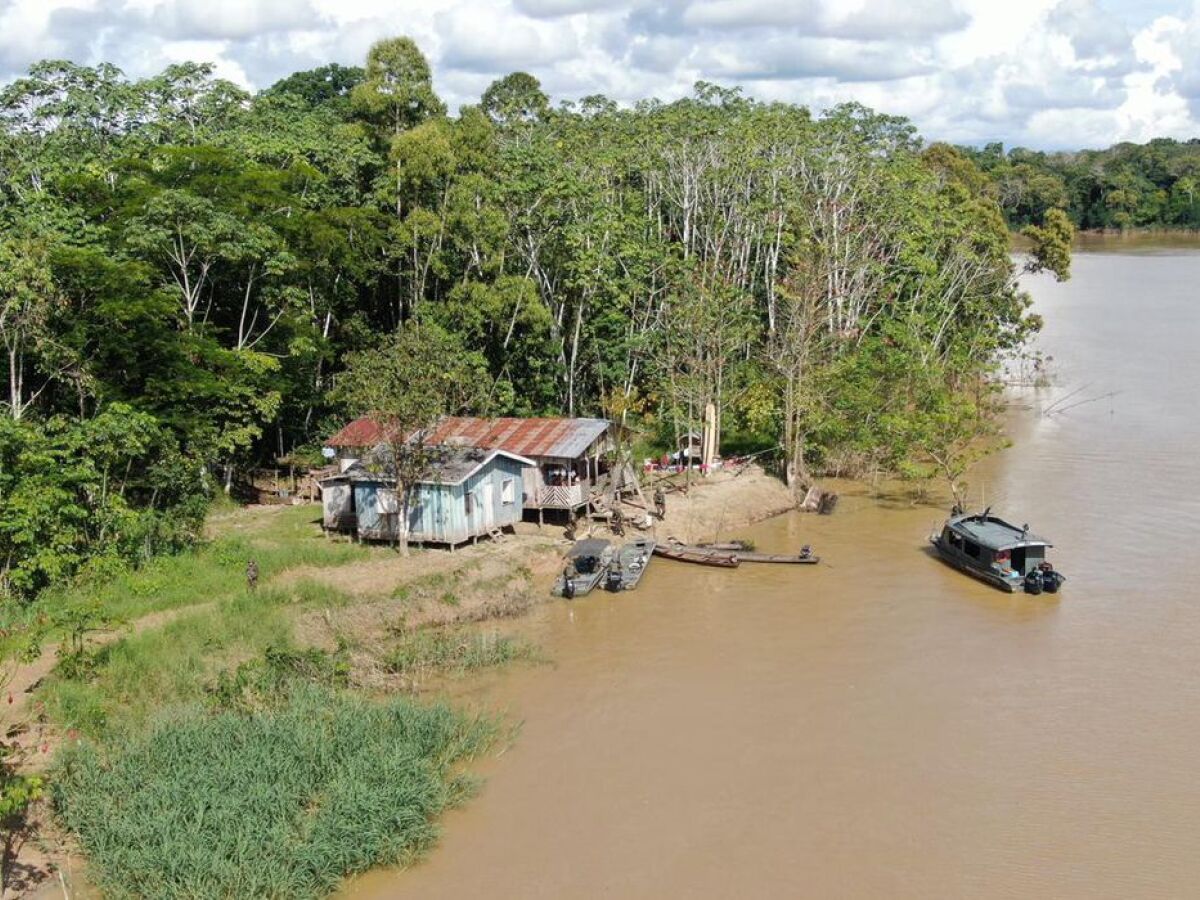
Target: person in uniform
{"x": 251, "y": 575}
{"x": 618, "y": 522}
{"x": 660, "y": 503}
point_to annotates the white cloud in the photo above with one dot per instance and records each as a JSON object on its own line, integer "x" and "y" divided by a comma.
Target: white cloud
{"x": 1047, "y": 73}
{"x": 488, "y": 41}
{"x": 231, "y": 19}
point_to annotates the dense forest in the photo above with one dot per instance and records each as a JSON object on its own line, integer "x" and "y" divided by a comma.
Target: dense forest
{"x": 1154, "y": 185}
{"x": 185, "y": 269}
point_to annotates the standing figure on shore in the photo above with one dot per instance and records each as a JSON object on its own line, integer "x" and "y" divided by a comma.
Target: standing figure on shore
{"x": 251, "y": 575}
{"x": 660, "y": 503}
{"x": 617, "y": 524}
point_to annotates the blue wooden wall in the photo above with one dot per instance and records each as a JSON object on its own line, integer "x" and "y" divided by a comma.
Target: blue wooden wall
{"x": 438, "y": 513}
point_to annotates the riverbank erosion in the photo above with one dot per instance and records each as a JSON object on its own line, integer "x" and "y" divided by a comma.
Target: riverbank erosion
{"x": 189, "y": 656}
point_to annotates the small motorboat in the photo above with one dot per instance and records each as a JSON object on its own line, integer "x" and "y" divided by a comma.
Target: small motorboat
{"x": 629, "y": 565}
{"x": 997, "y": 552}
{"x": 701, "y": 556}
{"x": 587, "y": 561}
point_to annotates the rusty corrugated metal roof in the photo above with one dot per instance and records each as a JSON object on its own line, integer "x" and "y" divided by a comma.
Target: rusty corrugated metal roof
{"x": 564, "y": 438}
{"x": 452, "y": 465}
{"x": 362, "y": 432}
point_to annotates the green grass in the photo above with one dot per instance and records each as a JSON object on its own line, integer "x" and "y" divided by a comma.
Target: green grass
{"x": 214, "y": 570}
{"x": 125, "y": 682}
{"x": 453, "y": 651}
{"x": 220, "y": 758}
{"x": 278, "y": 803}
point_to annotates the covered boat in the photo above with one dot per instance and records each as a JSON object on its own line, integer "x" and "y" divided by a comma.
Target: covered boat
{"x": 587, "y": 562}
{"x": 998, "y": 552}
{"x": 629, "y": 565}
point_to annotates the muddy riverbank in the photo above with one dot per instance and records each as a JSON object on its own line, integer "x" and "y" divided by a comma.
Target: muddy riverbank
{"x": 881, "y": 725}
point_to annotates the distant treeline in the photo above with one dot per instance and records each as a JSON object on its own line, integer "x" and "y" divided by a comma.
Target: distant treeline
{"x": 1154, "y": 185}
{"x": 185, "y": 268}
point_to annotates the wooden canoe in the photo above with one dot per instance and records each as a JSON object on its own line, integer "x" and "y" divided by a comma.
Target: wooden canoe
{"x": 797, "y": 559}
{"x": 728, "y": 546}
{"x": 697, "y": 555}
{"x": 746, "y": 554}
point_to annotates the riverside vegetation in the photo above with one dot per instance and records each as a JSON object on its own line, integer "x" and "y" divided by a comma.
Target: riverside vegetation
{"x": 210, "y": 684}
{"x": 195, "y": 280}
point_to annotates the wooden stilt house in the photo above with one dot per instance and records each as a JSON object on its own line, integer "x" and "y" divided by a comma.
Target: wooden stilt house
{"x": 570, "y": 458}
{"x": 468, "y": 493}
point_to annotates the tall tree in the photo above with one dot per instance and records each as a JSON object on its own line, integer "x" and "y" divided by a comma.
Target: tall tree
{"x": 405, "y": 384}
{"x": 397, "y": 89}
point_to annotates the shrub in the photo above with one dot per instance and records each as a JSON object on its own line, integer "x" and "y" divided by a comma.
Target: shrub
{"x": 278, "y": 803}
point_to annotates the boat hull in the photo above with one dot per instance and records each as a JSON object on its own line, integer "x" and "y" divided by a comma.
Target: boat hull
{"x": 698, "y": 556}
{"x": 747, "y": 554}
{"x": 629, "y": 565}
{"x": 582, "y": 585}
{"x": 957, "y": 561}
{"x": 779, "y": 558}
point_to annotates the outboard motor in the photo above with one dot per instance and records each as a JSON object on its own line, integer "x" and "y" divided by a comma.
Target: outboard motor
{"x": 1051, "y": 580}
{"x": 1033, "y": 582}
{"x": 569, "y": 588}
{"x": 613, "y": 582}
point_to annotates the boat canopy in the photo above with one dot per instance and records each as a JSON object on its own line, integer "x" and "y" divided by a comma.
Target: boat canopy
{"x": 587, "y": 547}
{"x": 996, "y": 534}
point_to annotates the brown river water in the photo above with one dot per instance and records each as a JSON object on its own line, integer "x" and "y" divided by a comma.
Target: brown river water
{"x": 882, "y": 726}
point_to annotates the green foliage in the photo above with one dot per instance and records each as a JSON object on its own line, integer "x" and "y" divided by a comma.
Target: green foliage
{"x": 258, "y": 682}
{"x": 1150, "y": 185}
{"x": 329, "y": 84}
{"x": 454, "y": 650}
{"x": 84, "y": 492}
{"x": 514, "y": 100}
{"x": 227, "y": 277}
{"x": 283, "y": 802}
{"x": 397, "y": 89}
{"x": 1050, "y": 248}
{"x": 126, "y": 682}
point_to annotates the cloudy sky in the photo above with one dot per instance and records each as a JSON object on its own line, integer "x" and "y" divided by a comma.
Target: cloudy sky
{"x": 1042, "y": 73}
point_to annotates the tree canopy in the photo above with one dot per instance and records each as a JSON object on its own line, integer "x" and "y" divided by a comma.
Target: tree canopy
{"x": 195, "y": 280}
{"x": 1152, "y": 185}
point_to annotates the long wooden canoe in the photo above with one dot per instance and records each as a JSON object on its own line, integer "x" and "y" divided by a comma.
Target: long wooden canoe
{"x": 797, "y": 559}
{"x": 746, "y": 553}
{"x": 697, "y": 555}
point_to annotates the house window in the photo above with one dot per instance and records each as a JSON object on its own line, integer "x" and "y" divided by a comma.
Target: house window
{"x": 508, "y": 492}
{"x": 470, "y": 503}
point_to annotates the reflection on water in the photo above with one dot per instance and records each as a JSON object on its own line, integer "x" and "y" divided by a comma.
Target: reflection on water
{"x": 882, "y": 725}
